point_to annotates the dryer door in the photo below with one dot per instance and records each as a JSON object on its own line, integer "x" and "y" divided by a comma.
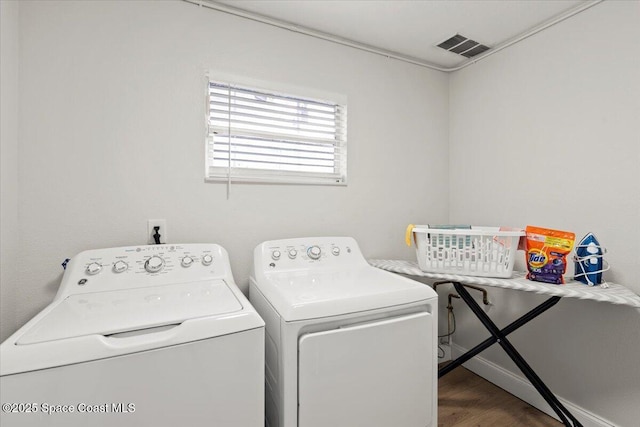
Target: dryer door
{"x": 376, "y": 374}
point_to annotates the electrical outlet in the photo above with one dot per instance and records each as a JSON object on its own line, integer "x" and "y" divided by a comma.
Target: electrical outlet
{"x": 151, "y": 224}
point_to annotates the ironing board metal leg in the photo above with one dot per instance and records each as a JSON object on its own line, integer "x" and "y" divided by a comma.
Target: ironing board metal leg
{"x": 492, "y": 339}
{"x": 562, "y": 412}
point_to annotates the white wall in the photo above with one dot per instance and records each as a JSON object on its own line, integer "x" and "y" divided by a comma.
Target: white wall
{"x": 9, "y": 167}
{"x": 546, "y": 133}
{"x": 111, "y": 134}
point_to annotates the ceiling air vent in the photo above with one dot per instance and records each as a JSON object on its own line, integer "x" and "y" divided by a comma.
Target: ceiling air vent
{"x": 463, "y": 46}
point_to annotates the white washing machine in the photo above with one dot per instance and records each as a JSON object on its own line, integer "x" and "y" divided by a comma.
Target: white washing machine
{"x": 139, "y": 336}
{"x": 347, "y": 344}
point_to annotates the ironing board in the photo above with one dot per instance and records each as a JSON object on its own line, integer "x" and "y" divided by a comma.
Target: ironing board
{"x": 614, "y": 294}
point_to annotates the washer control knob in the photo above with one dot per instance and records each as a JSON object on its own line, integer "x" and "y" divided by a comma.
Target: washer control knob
{"x": 293, "y": 253}
{"x": 276, "y": 255}
{"x": 154, "y": 264}
{"x": 120, "y": 266}
{"x": 186, "y": 261}
{"x": 335, "y": 250}
{"x": 314, "y": 252}
{"x": 93, "y": 268}
{"x": 207, "y": 259}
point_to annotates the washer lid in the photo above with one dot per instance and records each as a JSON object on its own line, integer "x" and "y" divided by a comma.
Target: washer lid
{"x": 107, "y": 313}
{"x": 302, "y": 294}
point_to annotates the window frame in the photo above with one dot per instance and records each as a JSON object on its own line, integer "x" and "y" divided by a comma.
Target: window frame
{"x": 231, "y": 174}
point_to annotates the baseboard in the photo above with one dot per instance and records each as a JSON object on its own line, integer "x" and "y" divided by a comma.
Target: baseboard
{"x": 521, "y": 388}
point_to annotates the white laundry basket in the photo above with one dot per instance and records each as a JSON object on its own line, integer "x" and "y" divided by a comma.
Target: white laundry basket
{"x": 475, "y": 251}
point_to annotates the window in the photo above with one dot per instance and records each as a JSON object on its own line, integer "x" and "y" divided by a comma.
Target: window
{"x": 262, "y": 136}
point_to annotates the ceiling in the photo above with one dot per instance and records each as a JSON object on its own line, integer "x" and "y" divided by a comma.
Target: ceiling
{"x": 412, "y": 29}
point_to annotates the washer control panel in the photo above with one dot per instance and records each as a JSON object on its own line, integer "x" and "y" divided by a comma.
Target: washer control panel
{"x": 139, "y": 266}
{"x": 314, "y": 253}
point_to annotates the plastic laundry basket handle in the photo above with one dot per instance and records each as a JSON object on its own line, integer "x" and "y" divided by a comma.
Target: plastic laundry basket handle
{"x": 408, "y": 233}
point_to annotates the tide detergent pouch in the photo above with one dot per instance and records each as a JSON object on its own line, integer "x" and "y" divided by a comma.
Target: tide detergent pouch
{"x": 547, "y": 254}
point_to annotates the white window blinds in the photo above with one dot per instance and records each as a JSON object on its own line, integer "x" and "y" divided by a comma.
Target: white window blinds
{"x": 258, "y": 136}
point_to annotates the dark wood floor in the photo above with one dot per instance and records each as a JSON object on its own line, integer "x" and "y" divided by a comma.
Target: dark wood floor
{"x": 467, "y": 400}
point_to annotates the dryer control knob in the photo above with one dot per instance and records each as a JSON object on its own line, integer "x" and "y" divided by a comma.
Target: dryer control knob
{"x": 293, "y": 253}
{"x": 276, "y": 255}
{"x": 154, "y": 264}
{"x": 207, "y": 259}
{"x": 186, "y": 261}
{"x": 314, "y": 252}
{"x": 93, "y": 268}
{"x": 120, "y": 266}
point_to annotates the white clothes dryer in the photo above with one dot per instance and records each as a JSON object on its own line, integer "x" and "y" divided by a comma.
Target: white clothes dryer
{"x": 139, "y": 336}
{"x": 347, "y": 344}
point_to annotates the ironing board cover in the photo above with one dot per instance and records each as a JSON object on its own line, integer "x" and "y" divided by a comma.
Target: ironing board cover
{"x": 614, "y": 294}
